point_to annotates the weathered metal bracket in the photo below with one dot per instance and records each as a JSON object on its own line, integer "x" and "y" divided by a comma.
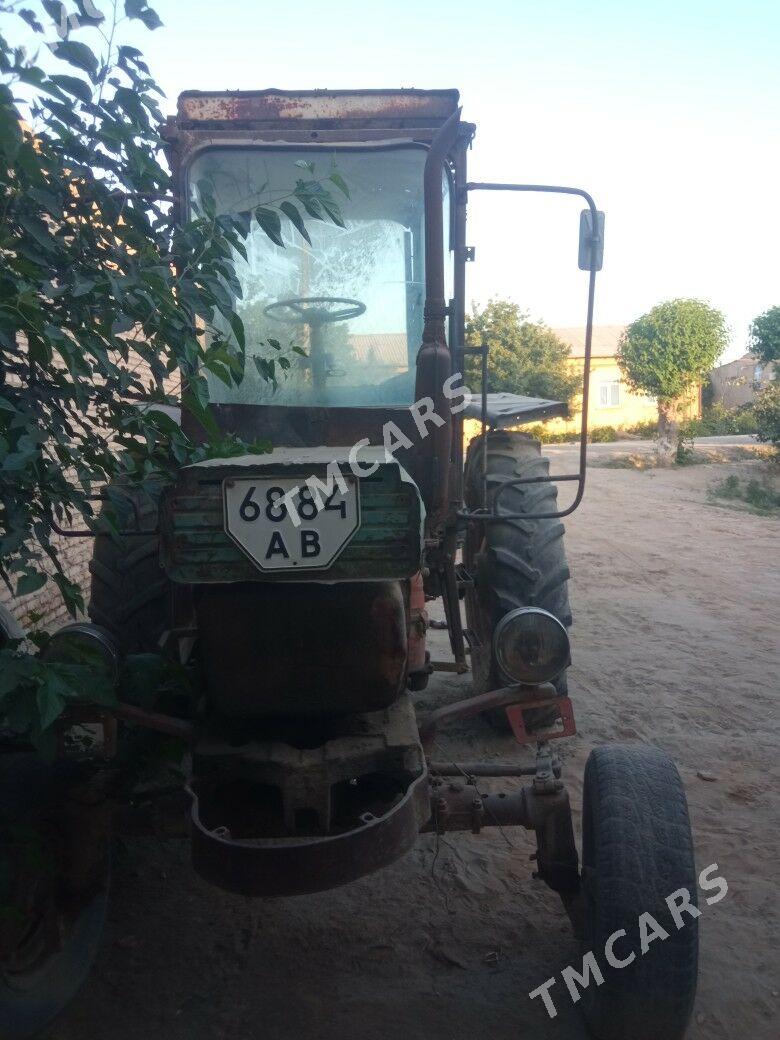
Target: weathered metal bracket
{"x": 296, "y": 866}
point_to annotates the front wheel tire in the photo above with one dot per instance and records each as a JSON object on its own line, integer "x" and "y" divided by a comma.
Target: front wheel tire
{"x": 637, "y": 852}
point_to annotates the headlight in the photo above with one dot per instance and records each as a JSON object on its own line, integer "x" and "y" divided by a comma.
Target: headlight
{"x": 530, "y": 645}
{"x": 84, "y": 643}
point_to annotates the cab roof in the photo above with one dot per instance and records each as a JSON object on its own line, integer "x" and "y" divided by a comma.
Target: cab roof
{"x": 402, "y": 108}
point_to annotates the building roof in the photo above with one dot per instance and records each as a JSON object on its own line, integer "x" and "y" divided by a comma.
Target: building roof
{"x": 745, "y": 360}
{"x": 381, "y": 348}
{"x": 605, "y": 339}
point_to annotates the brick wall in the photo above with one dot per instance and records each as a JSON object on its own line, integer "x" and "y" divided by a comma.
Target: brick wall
{"x": 74, "y": 555}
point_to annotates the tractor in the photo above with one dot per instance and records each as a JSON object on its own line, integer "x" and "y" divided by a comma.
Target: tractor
{"x": 292, "y": 584}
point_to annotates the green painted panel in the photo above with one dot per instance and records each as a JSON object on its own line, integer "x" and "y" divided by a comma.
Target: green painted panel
{"x": 195, "y": 548}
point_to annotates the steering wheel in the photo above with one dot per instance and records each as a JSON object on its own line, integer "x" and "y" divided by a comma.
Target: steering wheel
{"x": 314, "y": 310}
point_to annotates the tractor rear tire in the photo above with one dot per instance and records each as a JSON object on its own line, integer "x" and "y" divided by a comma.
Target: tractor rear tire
{"x": 517, "y": 563}
{"x": 131, "y": 594}
{"x": 55, "y": 898}
{"x": 637, "y": 850}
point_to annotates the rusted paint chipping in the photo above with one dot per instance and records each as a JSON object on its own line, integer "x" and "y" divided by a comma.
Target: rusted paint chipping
{"x": 196, "y": 549}
{"x": 263, "y": 105}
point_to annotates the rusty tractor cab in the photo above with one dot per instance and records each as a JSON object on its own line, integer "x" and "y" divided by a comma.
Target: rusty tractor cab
{"x": 297, "y": 579}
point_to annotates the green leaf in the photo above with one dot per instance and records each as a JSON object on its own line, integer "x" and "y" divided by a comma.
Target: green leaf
{"x": 150, "y": 19}
{"x": 51, "y": 702}
{"x": 220, "y": 371}
{"x": 88, "y": 13}
{"x": 77, "y": 54}
{"x": 82, "y": 286}
{"x": 30, "y": 582}
{"x": 71, "y": 594}
{"x": 295, "y": 218}
{"x": 131, "y": 105}
{"x": 56, "y": 11}
{"x": 266, "y": 368}
{"x": 311, "y": 205}
{"x": 242, "y": 221}
{"x": 141, "y": 10}
{"x": 237, "y": 326}
{"x": 333, "y": 211}
{"x": 32, "y": 21}
{"x": 340, "y": 183}
{"x": 11, "y": 137}
{"x": 191, "y": 404}
{"x": 271, "y": 223}
{"x": 132, "y": 56}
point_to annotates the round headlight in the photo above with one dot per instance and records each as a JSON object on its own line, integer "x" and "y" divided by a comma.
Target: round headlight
{"x": 530, "y": 645}
{"x": 84, "y": 643}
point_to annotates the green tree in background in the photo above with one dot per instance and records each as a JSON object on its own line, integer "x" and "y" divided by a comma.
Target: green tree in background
{"x": 765, "y": 344}
{"x": 525, "y": 357}
{"x": 765, "y": 338}
{"x": 666, "y": 353}
{"x": 767, "y": 413}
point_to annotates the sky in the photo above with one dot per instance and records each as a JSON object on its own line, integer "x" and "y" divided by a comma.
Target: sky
{"x": 667, "y": 112}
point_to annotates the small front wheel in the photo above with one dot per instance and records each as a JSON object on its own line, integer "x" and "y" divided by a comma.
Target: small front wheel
{"x": 637, "y": 853}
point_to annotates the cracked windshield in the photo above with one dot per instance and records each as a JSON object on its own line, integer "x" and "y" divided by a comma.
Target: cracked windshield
{"x": 345, "y": 308}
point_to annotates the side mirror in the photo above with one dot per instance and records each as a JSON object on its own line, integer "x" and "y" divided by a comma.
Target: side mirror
{"x": 591, "y": 255}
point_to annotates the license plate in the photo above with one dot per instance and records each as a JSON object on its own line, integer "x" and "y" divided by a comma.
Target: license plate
{"x": 304, "y": 531}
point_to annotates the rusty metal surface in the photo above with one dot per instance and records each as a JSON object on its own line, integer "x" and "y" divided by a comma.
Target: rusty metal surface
{"x": 463, "y": 770}
{"x": 305, "y": 780}
{"x": 434, "y": 363}
{"x": 271, "y": 819}
{"x": 320, "y": 105}
{"x": 167, "y": 724}
{"x": 461, "y": 807}
{"x": 472, "y": 706}
{"x": 418, "y": 628}
{"x": 194, "y": 548}
{"x": 296, "y": 866}
{"x": 560, "y": 706}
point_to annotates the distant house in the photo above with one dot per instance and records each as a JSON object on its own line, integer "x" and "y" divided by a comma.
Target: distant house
{"x": 737, "y": 382}
{"x": 612, "y": 402}
{"x": 386, "y": 352}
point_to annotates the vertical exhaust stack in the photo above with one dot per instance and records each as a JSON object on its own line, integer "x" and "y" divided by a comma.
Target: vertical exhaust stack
{"x": 434, "y": 362}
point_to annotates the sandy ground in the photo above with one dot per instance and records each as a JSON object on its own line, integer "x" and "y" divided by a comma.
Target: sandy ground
{"x": 676, "y": 607}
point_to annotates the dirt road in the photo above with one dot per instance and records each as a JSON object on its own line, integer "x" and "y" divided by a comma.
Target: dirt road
{"x": 676, "y": 607}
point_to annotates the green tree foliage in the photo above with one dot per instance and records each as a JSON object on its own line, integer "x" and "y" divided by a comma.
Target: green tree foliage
{"x": 765, "y": 337}
{"x": 766, "y": 411}
{"x": 524, "y": 358}
{"x": 100, "y": 291}
{"x": 668, "y": 351}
